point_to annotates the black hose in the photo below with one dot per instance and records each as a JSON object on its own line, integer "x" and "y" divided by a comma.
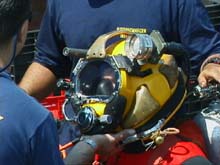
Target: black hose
{"x": 180, "y": 54}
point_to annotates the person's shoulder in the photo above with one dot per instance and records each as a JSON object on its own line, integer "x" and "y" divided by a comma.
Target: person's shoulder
{"x": 21, "y": 110}
{"x": 34, "y": 114}
{"x": 27, "y": 105}
{"x": 35, "y": 107}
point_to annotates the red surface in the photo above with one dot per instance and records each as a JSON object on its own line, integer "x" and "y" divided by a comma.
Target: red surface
{"x": 54, "y": 104}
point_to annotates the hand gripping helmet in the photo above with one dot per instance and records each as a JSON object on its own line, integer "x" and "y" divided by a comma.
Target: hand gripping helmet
{"x": 127, "y": 83}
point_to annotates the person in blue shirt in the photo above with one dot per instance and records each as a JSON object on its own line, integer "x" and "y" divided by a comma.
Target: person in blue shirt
{"x": 73, "y": 24}
{"x": 76, "y": 24}
{"x": 28, "y": 132}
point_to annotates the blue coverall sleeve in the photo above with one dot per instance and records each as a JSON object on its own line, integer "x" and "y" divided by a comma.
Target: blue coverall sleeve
{"x": 197, "y": 33}
{"x": 50, "y": 43}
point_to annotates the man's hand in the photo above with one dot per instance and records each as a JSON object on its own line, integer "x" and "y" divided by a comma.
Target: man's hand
{"x": 210, "y": 72}
{"x": 109, "y": 144}
{"x": 104, "y": 144}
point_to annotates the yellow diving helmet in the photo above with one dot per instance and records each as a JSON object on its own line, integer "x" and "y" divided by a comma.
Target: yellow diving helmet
{"x": 129, "y": 83}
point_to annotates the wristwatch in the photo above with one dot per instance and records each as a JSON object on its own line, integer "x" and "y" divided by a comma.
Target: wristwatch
{"x": 213, "y": 60}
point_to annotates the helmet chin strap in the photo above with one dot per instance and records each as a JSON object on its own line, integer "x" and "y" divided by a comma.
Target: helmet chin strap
{"x": 14, "y": 44}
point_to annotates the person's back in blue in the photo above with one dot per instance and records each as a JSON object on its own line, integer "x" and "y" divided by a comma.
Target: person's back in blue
{"x": 28, "y": 132}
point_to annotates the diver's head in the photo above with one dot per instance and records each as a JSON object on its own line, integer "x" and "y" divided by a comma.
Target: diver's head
{"x": 14, "y": 15}
{"x": 114, "y": 93}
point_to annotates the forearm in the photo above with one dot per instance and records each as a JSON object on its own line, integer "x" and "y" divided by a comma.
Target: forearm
{"x": 103, "y": 145}
{"x": 38, "y": 81}
{"x": 82, "y": 153}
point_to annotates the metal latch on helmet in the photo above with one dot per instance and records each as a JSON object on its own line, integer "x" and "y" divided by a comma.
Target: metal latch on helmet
{"x": 145, "y": 134}
{"x": 154, "y": 134}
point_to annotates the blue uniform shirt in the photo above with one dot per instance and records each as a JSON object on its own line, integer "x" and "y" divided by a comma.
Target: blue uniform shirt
{"x": 27, "y": 130}
{"x": 77, "y": 24}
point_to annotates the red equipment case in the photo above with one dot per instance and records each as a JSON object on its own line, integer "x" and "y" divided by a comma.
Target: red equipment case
{"x": 54, "y": 104}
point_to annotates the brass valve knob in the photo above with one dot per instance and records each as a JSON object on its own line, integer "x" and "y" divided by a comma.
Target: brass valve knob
{"x": 159, "y": 140}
